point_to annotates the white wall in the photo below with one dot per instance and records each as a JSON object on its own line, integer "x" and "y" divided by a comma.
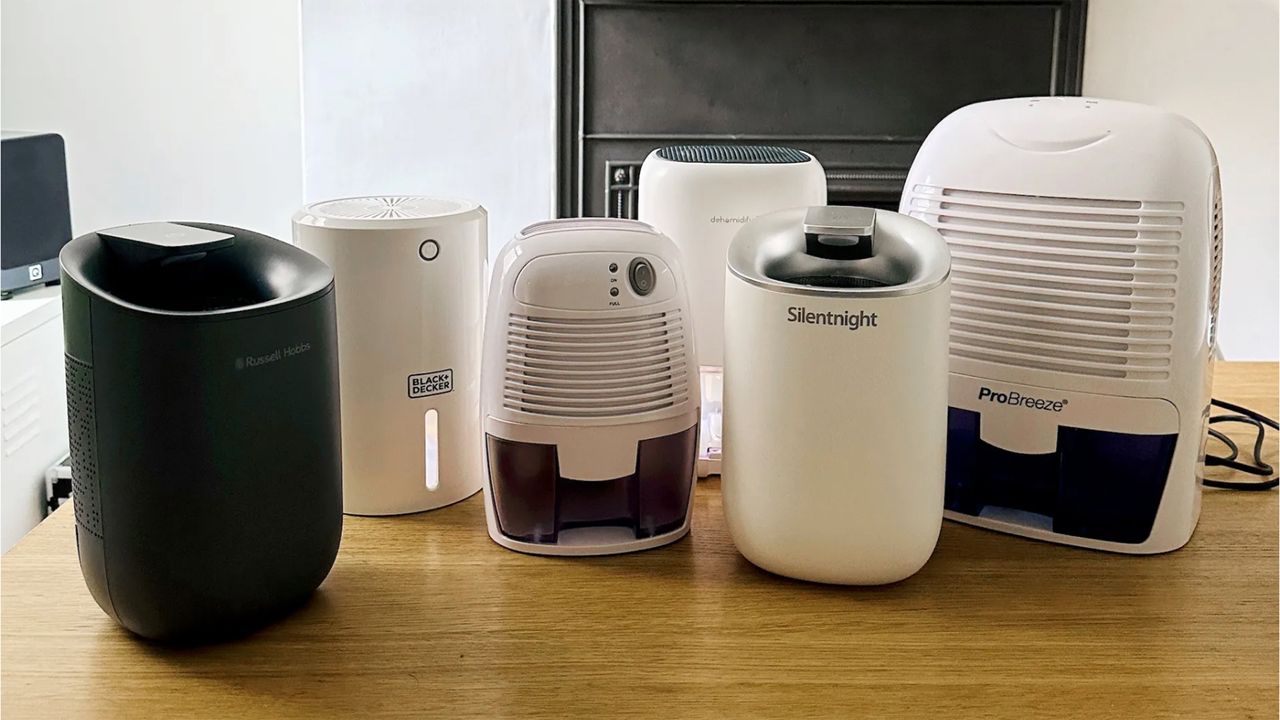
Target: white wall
{"x": 171, "y": 110}
{"x": 1216, "y": 63}
{"x": 435, "y": 97}
{"x": 194, "y": 110}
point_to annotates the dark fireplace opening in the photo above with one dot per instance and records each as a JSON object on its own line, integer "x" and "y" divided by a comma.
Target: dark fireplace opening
{"x": 857, "y": 83}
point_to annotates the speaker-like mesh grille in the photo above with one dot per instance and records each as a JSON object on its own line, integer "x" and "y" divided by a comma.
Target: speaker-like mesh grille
{"x": 741, "y": 154}
{"x": 594, "y": 368}
{"x": 83, "y": 439}
{"x": 1085, "y": 286}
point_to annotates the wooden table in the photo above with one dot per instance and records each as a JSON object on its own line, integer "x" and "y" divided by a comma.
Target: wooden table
{"x": 424, "y": 616}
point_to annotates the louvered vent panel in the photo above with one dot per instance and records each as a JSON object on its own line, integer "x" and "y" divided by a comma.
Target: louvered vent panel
{"x": 1215, "y": 267}
{"x": 1081, "y": 286}
{"x": 589, "y": 368}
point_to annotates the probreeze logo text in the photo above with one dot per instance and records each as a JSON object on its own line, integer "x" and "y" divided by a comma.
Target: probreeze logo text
{"x": 1013, "y": 397}
{"x": 253, "y": 361}
{"x": 851, "y": 320}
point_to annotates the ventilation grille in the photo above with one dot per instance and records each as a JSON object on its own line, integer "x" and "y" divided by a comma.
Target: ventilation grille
{"x": 395, "y": 207}
{"x": 742, "y": 154}
{"x": 1080, "y": 286}
{"x": 83, "y": 439}
{"x": 595, "y": 368}
{"x": 1215, "y": 264}
{"x": 20, "y": 404}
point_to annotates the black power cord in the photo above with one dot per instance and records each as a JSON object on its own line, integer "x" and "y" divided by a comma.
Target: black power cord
{"x": 1261, "y": 423}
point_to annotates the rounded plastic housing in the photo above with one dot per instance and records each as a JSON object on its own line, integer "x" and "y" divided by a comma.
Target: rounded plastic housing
{"x": 835, "y": 398}
{"x": 202, "y": 383}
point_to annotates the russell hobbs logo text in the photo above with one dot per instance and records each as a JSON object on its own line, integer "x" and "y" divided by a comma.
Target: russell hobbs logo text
{"x": 851, "y": 320}
{"x": 288, "y": 351}
{"x": 1013, "y": 397}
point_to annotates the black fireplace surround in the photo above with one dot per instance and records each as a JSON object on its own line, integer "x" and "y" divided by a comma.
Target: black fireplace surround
{"x": 857, "y": 83}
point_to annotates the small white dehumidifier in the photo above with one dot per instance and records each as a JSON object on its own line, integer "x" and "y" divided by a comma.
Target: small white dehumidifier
{"x": 590, "y": 391}
{"x": 409, "y": 274}
{"x": 835, "y": 393}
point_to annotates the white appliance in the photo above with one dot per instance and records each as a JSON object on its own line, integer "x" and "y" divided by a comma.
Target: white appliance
{"x": 590, "y": 398}
{"x": 835, "y": 392}
{"x": 33, "y": 402}
{"x": 700, "y": 196}
{"x": 409, "y": 276}
{"x": 1086, "y": 237}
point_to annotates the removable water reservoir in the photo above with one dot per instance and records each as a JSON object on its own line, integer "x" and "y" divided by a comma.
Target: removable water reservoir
{"x": 534, "y": 503}
{"x": 1097, "y": 484}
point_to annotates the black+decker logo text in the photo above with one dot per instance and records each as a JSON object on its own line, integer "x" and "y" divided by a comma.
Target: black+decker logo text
{"x": 436, "y": 382}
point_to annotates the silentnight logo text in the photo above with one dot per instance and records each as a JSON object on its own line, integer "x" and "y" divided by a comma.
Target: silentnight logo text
{"x": 850, "y": 320}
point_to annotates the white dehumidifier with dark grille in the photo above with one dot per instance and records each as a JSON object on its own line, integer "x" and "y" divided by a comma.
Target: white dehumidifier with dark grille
{"x": 589, "y": 391}
{"x": 700, "y": 196}
{"x": 1086, "y": 245}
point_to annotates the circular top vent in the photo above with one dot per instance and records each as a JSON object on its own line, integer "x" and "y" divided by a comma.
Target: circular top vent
{"x": 388, "y": 207}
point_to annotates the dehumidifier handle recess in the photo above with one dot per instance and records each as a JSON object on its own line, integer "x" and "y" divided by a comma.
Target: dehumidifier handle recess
{"x": 839, "y": 233}
{"x": 162, "y": 240}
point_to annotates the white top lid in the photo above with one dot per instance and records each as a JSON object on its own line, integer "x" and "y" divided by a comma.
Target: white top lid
{"x": 584, "y": 223}
{"x": 384, "y": 211}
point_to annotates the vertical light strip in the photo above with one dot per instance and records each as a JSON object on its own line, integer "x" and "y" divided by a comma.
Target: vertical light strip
{"x": 431, "y": 426}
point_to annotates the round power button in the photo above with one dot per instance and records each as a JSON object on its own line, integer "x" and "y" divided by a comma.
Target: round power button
{"x": 641, "y": 275}
{"x": 429, "y": 250}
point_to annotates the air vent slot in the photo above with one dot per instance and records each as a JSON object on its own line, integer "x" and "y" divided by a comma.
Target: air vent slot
{"x": 737, "y": 154}
{"x": 1215, "y": 267}
{"x": 1084, "y": 286}
{"x": 83, "y": 439}
{"x": 595, "y": 367}
{"x": 387, "y": 207}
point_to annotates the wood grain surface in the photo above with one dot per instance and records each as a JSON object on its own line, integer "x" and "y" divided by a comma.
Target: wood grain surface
{"x": 423, "y": 616}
